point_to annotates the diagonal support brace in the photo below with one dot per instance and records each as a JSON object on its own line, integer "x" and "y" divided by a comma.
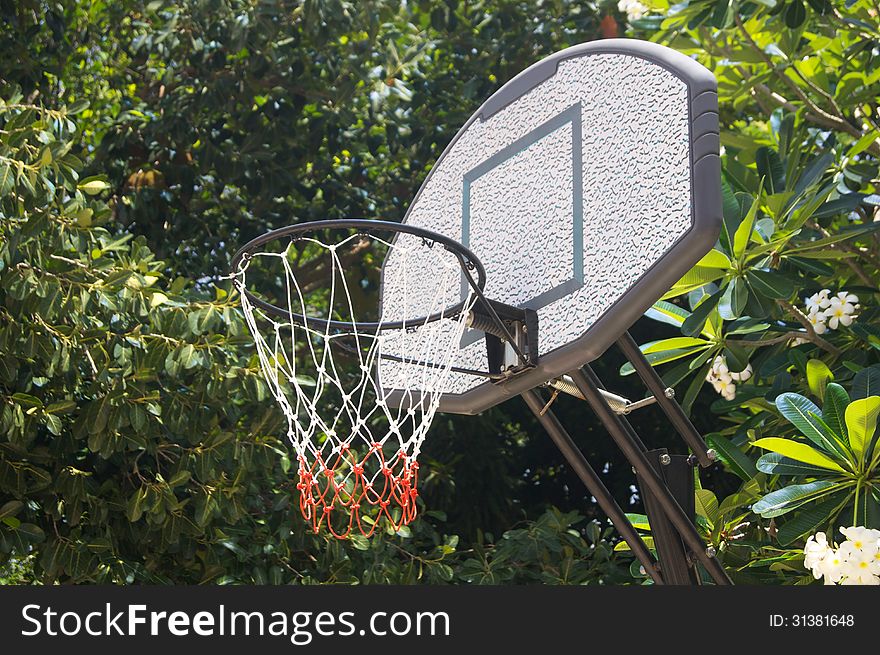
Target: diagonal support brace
{"x": 705, "y": 456}
{"x": 587, "y": 383}
{"x": 593, "y": 483}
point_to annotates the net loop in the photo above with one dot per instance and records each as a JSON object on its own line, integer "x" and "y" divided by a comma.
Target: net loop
{"x": 356, "y": 450}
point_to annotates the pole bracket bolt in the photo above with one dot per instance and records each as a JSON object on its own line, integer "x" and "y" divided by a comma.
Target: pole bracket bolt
{"x": 665, "y": 459}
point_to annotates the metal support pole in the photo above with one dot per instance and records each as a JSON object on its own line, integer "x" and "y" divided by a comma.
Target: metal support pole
{"x": 678, "y": 475}
{"x": 586, "y": 382}
{"x": 672, "y": 409}
{"x": 593, "y": 483}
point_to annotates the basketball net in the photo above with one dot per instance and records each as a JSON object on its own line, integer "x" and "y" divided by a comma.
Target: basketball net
{"x": 357, "y": 454}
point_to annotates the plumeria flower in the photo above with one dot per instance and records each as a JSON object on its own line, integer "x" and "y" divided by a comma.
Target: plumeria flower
{"x": 817, "y": 320}
{"x": 865, "y": 539}
{"x": 857, "y": 571}
{"x": 855, "y": 562}
{"x": 723, "y": 380}
{"x": 841, "y": 311}
{"x": 818, "y": 301}
{"x": 846, "y": 297}
{"x": 743, "y": 375}
{"x": 632, "y": 8}
{"x": 815, "y": 551}
{"x": 726, "y": 389}
{"x": 832, "y": 567}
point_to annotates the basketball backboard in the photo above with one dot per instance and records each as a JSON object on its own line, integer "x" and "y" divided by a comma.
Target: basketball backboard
{"x": 587, "y": 186}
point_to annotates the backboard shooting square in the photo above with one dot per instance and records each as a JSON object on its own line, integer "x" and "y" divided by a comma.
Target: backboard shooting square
{"x": 500, "y": 181}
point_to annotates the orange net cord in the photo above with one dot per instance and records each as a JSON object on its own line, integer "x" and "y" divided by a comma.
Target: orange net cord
{"x": 324, "y": 496}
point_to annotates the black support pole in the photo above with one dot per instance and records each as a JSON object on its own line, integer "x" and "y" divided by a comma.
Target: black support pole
{"x": 672, "y": 409}
{"x": 593, "y": 483}
{"x": 586, "y": 382}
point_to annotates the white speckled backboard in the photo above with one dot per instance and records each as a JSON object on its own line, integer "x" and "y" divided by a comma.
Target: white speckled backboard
{"x": 587, "y": 186}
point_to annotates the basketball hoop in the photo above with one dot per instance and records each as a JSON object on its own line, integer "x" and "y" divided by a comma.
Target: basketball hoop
{"x": 356, "y": 452}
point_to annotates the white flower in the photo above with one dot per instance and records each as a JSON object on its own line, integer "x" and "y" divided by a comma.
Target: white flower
{"x": 855, "y": 562}
{"x": 817, "y": 320}
{"x": 841, "y": 312}
{"x": 815, "y": 551}
{"x": 857, "y": 571}
{"x": 632, "y": 8}
{"x": 832, "y": 567}
{"x": 846, "y": 297}
{"x": 743, "y": 375}
{"x": 723, "y": 380}
{"x": 818, "y": 301}
{"x": 864, "y": 540}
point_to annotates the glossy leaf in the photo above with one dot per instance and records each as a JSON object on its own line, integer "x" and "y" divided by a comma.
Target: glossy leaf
{"x": 861, "y": 424}
{"x": 789, "y": 498}
{"x": 800, "y": 452}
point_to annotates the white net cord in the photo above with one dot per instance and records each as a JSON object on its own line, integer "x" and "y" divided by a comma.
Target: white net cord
{"x": 357, "y": 452}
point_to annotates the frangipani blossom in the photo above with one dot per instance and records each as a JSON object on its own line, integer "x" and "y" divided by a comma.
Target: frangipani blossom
{"x": 723, "y": 380}
{"x": 855, "y": 562}
{"x": 825, "y": 310}
{"x": 841, "y": 311}
{"x": 633, "y": 9}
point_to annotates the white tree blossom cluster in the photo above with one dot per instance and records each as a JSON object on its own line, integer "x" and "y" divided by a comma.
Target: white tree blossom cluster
{"x": 724, "y": 380}
{"x": 632, "y": 8}
{"x": 826, "y": 311}
{"x": 856, "y": 561}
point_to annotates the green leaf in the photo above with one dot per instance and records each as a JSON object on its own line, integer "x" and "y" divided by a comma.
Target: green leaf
{"x": 98, "y": 414}
{"x": 61, "y": 407}
{"x": 795, "y": 14}
{"x": 798, "y": 451}
{"x": 78, "y": 106}
{"x": 770, "y": 169}
{"x": 93, "y": 185}
{"x": 7, "y": 179}
{"x": 806, "y": 417}
{"x": 673, "y": 343}
{"x": 27, "y": 400}
{"x": 744, "y": 230}
{"x": 638, "y": 521}
{"x": 834, "y": 408}
{"x": 737, "y": 357}
{"x": 157, "y": 298}
{"x": 179, "y": 478}
{"x": 11, "y": 508}
{"x": 776, "y": 464}
{"x": 706, "y": 505}
{"x": 53, "y": 424}
{"x": 818, "y": 376}
{"x": 730, "y": 212}
{"x": 812, "y": 173}
{"x": 694, "y": 324}
{"x": 809, "y": 520}
{"x": 735, "y": 459}
{"x": 784, "y": 500}
{"x": 861, "y": 423}
{"x": 862, "y": 144}
{"x": 656, "y": 359}
{"x": 733, "y": 300}
{"x": 666, "y": 312}
{"x": 866, "y": 382}
{"x": 770, "y": 284}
